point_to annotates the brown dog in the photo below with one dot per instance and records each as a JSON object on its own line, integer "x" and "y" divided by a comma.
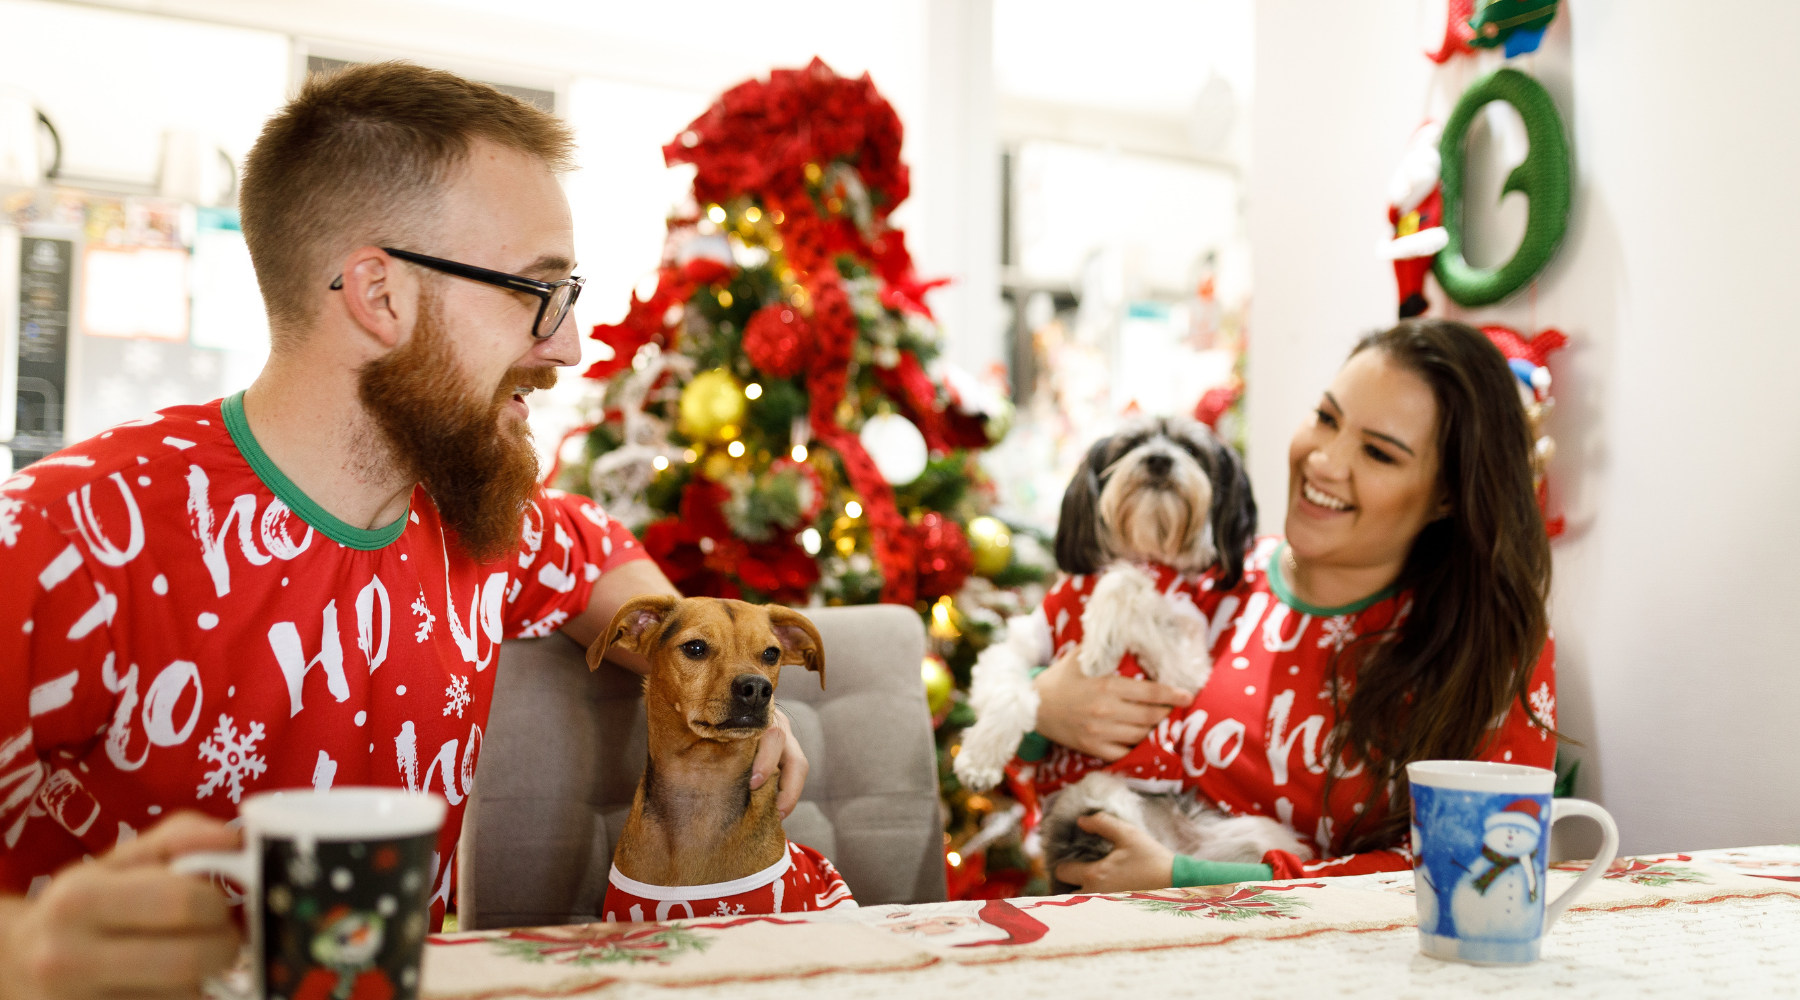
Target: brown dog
{"x": 698, "y": 838}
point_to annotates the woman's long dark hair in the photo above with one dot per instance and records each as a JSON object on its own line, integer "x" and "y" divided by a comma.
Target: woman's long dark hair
{"x": 1478, "y": 579}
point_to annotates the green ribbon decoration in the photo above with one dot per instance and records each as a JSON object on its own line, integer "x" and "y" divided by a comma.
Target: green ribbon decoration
{"x": 1543, "y": 178}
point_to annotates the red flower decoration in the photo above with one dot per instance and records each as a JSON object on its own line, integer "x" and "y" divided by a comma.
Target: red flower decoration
{"x": 774, "y": 141}
{"x": 646, "y": 321}
{"x": 777, "y": 340}
{"x": 702, "y": 558}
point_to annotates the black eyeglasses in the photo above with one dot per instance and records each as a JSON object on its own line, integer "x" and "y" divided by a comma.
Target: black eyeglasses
{"x": 555, "y": 298}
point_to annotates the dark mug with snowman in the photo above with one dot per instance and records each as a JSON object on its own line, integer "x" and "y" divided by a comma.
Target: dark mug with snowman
{"x": 1481, "y": 847}
{"x": 338, "y": 891}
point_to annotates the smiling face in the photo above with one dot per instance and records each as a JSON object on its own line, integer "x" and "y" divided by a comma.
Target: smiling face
{"x": 1511, "y": 840}
{"x": 1363, "y": 470}
{"x": 506, "y": 212}
{"x": 714, "y": 663}
{"x": 450, "y": 398}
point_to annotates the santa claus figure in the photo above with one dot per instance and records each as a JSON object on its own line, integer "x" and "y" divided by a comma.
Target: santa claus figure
{"x": 1501, "y": 896}
{"x": 1416, "y": 211}
{"x": 963, "y": 923}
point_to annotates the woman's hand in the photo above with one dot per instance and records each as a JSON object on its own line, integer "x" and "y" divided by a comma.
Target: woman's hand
{"x": 1137, "y": 861}
{"x": 1103, "y": 717}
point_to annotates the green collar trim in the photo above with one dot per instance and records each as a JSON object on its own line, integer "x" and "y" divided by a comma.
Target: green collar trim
{"x": 278, "y": 483}
{"x": 1278, "y": 584}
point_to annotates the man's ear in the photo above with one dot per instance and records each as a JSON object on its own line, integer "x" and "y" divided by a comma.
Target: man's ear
{"x": 380, "y": 296}
{"x": 800, "y": 642}
{"x": 631, "y": 627}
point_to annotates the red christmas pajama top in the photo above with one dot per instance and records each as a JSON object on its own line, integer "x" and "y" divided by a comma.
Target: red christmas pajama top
{"x": 802, "y": 880}
{"x": 181, "y": 627}
{"x": 1252, "y": 741}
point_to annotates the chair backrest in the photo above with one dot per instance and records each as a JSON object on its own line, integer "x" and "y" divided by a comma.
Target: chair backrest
{"x": 564, "y": 749}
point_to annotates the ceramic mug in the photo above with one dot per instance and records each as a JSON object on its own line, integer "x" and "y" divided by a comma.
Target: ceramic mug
{"x": 1481, "y": 845}
{"x": 338, "y": 889}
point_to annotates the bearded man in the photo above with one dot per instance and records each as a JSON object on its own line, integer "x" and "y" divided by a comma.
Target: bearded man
{"x": 305, "y": 583}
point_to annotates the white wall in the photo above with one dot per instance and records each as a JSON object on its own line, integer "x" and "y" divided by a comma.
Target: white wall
{"x": 1679, "y": 463}
{"x": 633, "y": 74}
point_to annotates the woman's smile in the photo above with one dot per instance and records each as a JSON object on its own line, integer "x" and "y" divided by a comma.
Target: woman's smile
{"x": 1312, "y": 497}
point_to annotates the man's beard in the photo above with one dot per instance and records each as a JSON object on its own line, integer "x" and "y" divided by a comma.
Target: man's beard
{"x": 449, "y": 439}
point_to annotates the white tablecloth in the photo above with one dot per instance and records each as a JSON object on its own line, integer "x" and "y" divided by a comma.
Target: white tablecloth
{"x": 1708, "y": 923}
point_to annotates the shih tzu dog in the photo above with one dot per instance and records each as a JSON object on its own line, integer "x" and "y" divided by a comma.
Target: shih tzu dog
{"x": 1161, "y": 501}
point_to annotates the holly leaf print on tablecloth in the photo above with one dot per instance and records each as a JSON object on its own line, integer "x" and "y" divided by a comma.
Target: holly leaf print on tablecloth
{"x": 1637, "y": 871}
{"x": 1227, "y": 902}
{"x": 600, "y": 944}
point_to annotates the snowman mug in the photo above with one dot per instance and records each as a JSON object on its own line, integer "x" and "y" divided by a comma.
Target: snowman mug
{"x": 339, "y": 886}
{"x": 1481, "y": 845}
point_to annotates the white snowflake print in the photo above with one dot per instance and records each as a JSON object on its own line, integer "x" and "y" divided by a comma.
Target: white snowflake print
{"x": 9, "y": 520}
{"x": 550, "y": 623}
{"x": 419, "y": 608}
{"x": 1337, "y": 633}
{"x": 1544, "y": 704}
{"x": 727, "y": 910}
{"x": 458, "y": 693}
{"x": 236, "y": 755}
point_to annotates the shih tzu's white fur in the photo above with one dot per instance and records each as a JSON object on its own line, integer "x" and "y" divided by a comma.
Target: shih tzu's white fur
{"x": 1164, "y": 491}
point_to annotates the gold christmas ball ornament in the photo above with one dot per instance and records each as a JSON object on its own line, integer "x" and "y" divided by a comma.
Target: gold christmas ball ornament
{"x": 991, "y": 542}
{"x": 940, "y": 686}
{"x": 712, "y": 406}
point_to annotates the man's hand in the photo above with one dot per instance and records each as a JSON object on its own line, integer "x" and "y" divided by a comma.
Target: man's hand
{"x": 122, "y": 925}
{"x": 1103, "y": 717}
{"x": 638, "y": 578}
{"x": 1137, "y": 860}
{"x": 779, "y": 749}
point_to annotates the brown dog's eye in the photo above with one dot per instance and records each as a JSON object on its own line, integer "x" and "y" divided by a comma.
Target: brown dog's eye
{"x": 694, "y": 648}
{"x": 770, "y": 655}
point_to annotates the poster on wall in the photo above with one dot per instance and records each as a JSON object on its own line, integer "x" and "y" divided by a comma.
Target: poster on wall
{"x": 42, "y": 352}
{"x": 135, "y": 292}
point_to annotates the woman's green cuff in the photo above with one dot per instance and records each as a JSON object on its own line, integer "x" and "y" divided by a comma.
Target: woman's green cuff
{"x": 1034, "y": 747}
{"x": 1188, "y": 871}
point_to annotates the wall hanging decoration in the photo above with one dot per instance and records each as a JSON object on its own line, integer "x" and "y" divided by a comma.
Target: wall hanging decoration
{"x": 1529, "y": 359}
{"x": 1454, "y": 37}
{"x": 1543, "y": 178}
{"x": 1416, "y": 211}
{"x": 1515, "y": 25}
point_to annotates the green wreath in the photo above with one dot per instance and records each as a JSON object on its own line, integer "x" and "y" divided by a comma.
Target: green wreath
{"x": 1543, "y": 178}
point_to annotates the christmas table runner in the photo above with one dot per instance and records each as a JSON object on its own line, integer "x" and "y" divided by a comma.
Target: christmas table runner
{"x": 953, "y": 939}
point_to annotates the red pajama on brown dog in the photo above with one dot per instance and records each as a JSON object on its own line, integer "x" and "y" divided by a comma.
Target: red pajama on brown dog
{"x": 699, "y": 842}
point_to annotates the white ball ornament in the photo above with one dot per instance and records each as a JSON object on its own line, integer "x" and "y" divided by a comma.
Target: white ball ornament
{"x": 896, "y": 446}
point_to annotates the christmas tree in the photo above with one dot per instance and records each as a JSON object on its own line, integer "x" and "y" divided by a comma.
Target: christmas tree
{"x": 776, "y": 422}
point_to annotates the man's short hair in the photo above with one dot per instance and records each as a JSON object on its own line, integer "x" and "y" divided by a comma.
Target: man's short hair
{"x": 360, "y": 158}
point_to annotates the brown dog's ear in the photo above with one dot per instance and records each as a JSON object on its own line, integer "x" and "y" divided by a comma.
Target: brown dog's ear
{"x": 800, "y": 642}
{"x": 631, "y": 626}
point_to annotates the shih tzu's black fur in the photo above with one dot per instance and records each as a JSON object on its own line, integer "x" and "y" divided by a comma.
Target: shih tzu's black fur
{"x": 1082, "y": 545}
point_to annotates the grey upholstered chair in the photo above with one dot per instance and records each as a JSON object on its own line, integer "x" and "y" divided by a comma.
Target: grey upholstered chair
{"x": 564, "y": 748}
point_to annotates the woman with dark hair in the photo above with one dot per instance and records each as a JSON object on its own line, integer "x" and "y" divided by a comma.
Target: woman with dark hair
{"x": 1402, "y": 618}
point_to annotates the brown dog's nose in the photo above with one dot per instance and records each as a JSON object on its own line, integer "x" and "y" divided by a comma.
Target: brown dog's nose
{"x": 751, "y": 691}
{"x": 1159, "y": 465}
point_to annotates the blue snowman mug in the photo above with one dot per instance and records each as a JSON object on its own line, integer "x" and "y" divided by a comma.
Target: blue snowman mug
{"x": 1481, "y": 846}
